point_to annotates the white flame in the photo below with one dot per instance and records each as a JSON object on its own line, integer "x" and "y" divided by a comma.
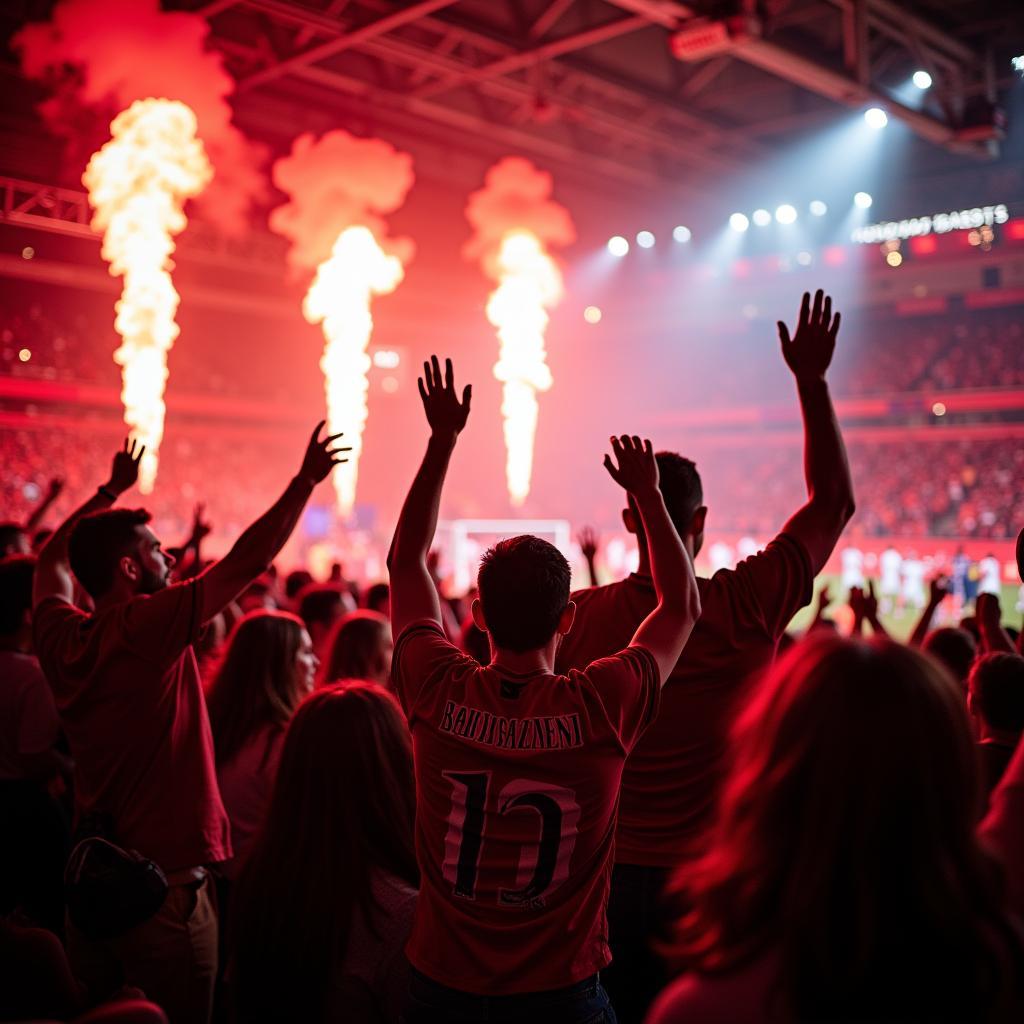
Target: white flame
{"x": 345, "y": 283}
{"x": 529, "y": 282}
{"x": 138, "y": 184}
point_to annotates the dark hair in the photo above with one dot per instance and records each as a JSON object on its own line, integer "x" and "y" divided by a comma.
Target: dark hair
{"x": 10, "y": 534}
{"x": 256, "y": 684}
{"x": 321, "y": 603}
{"x": 845, "y": 846}
{"x": 98, "y": 541}
{"x": 356, "y": 648}
{"x": 680, "y": 486}
{"x": 295, "y": 582}
{"x": 343, "y": 808}
{"x": 996, "y": 686}
{"x": 954, "y": 647}
{"x": 524, "y": 589}
{"x": 16, "y": 572}
{"x": 377, "y": 597}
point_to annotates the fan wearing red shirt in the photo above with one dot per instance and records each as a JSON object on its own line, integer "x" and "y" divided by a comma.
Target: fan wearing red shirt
{"x": 130, "y": 701}
{"x": 517, "y": 768}
{"x": 671, "y": 778}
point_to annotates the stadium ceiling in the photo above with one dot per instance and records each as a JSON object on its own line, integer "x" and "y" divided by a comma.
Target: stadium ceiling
{"x": 648, "y": 92}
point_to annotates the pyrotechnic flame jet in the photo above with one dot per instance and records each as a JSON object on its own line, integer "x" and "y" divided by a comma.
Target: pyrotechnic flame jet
{"x": 529, "y": 282}
{"x": 339, "y": 297}
{"x": 138, "y": 184}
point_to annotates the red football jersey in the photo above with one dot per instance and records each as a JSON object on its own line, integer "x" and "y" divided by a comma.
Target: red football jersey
{"x": 517, "y": 785}
{"x": 672, "y": 778}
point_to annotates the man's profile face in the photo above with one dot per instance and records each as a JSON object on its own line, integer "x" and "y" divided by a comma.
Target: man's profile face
{"x": 154, "y": 563}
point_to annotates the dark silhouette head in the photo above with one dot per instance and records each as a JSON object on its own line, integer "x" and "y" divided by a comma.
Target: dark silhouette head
{"x": 995, "y": 693}
{"x": 16, "y": 573}
{"x": 524, "y": 594}
{"x": 343, "y": 808}
{"x": 845, "y": 845}
{"x": 955, "y": 648}
{"x": 116, "y": 552}
{"x": 359, "y": 647}
{"x": 680, "y": 486}
{"x": 13, "y": 540}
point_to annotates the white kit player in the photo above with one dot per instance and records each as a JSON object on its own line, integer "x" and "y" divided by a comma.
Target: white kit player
{"x": 721, "y": 557}
{"x": 853, "y": 567}
{"x": 889, "y": 563}
{"x": 913, "y": 582}
{"x": 990, "y": 572}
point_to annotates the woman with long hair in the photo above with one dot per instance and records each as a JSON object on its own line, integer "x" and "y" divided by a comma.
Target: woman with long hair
{"x": 268, "y": 668}
{"x": 359, "y": 647}
{"x": 843, "y": 879}
{"x": 324, "y": 904}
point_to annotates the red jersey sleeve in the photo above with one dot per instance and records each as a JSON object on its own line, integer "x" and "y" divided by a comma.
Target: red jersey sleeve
{"x": 158, "y": 627}
{"x": 423, "y": 656}
{"x": 628, "y": 688}
{"x": 773, "y": 585}
{"x": 52, "y": 621}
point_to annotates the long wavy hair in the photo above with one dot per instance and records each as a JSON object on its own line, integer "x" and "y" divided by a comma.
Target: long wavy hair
{"x": 845, "y": 847}
{"x": 343, "y": 807}
{"x": 257, "y": 684}
{"x": 358, "y": 649}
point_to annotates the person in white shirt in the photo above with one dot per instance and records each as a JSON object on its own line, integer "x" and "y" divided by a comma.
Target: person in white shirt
{"x": 991, "y": 575}
{"x": 913, "y": 582}
{"x": 853, "y": 567}
{"x": 889, "y": 562}
{"x": 721, "y": 556}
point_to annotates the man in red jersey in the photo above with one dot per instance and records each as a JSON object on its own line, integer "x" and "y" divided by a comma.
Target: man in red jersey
{"x": 517, "y": 769}
{"x": 130, "y": 701}
{"x": 670, "y": 781}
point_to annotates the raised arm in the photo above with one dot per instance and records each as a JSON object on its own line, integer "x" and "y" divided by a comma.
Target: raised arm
{"x": 53, "y": 577}
{"x": 819, "y": 524}
{"x": 665, "y": 631}
{"x": 588, "y": 548}
{"x": 937, "y": 591}
{"x": 413, "y": 594}
{"x": 257, "y": 547}
{"x": 989, "y": 617}
{"x": 50, "y": 495}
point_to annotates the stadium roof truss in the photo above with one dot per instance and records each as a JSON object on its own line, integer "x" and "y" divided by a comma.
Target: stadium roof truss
{"x": 647, "y": 91}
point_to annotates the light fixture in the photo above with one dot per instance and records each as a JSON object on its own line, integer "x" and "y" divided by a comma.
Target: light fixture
{"x": 645, "y": 239}
{"x": 762, "y": 218}
{"x": 785, "y": 214}
{"x": 592, "y": 314}
{"x": 922, "y": 80}
{"x": 617, "y": 245}
{"x": 804, "y": 258}
{"x": 876, "y": 118}
{"x": 863, "y": 200}
{"x": 894, "y": 258}
{"x": 739, "y": 222}
{"x": 818, "y": 208}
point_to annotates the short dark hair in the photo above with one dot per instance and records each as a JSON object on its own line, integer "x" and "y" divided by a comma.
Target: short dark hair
{"x": 296, "y": 581}
{"x": 524, "y": 589}
{"x": 680, "y": 486}
{"x": 320, "y": 603}
{"x": 9, "y": 534}
{"x": 16, "y": 574}
{"x": 377, "y": 596}
{"x": 996, "y": 686}
{"x": 98, "y": 541}
{"x": 954, "y": 647}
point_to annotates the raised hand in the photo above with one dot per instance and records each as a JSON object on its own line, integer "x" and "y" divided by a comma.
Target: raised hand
{"x": 637, "y": 469}
{"x": 54, "y": 488}
{"x": 937, "y": 590}
{"x": 320, "y": 457}
{"x": 124, "y": 471}
{"x": 809, "y": 352}
{"x": 200, "y": 527}
{"x": 988, "y": 612}
{"x": 445, "y": 413}
{"x": 587, "y": 540}
{"x": 871, "y": 603}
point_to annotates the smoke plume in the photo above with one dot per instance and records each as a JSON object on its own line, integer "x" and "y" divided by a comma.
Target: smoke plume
{"x": 105, "y": 54}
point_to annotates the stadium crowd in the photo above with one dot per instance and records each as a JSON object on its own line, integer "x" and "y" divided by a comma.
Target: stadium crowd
{"x": 230, "y": 794}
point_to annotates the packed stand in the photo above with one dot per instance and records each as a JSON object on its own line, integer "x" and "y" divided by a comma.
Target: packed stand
{"x": 274, "y": 797}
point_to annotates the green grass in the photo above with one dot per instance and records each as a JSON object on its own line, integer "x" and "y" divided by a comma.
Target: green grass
{"x": 899, "y": 626}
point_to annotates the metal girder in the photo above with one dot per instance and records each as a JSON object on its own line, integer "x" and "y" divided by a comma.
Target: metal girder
{"x": 347, "y": 40}
{"x": 853, "y": 86}
{"x": 546, "y": 51}
{"x": 678, "y": 122}
{"x": 549, "y": 16}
